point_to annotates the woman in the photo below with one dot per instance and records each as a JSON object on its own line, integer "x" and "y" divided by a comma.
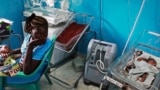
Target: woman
{"x": 33, "y": 48}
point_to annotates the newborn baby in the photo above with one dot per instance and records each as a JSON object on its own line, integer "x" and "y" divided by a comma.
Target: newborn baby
{"x": 4, "y": 49}
{"x": 144, "y": 71}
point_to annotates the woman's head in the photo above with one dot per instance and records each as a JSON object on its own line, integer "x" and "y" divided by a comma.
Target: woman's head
{"x": 37, "y": 26}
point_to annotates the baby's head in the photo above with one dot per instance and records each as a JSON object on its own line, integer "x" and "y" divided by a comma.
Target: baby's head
{"x": 5, "y": 49}
{"x": 138, "y": 53}
{"x": 151, "y": 61}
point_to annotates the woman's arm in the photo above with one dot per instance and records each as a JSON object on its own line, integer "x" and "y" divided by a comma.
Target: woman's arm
{"x": 16, "y": 51}
{"x": 29, "y": 65}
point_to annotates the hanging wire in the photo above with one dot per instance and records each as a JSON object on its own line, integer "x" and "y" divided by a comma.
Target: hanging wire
{"x": 101, "y": 16}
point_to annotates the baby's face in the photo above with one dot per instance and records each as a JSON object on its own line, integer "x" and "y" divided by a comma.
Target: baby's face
{"x": 4, "y": 49}
{"x": 138, "y": 53}
{"x": 152, "y": 62}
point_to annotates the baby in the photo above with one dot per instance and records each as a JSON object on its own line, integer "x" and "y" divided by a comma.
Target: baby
{"x": 131, "y": 64}
{"x": 5, "y": 49}
{"x": 151, "y": 62}
{"x": 141, "y": 68}
{"x": 144, "y": 71}
{"x": 3, "y": 60}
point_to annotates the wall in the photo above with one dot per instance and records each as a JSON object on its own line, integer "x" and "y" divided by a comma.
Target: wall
{"x": 12, "y": 10}
{"x": 118, "y": 17}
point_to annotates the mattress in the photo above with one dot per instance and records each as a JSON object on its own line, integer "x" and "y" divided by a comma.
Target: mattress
{"x": 70, "y": 35}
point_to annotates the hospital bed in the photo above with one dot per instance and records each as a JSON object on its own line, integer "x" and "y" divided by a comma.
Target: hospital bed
{"x": 133, "y": 69}
{"x": 68, "y": 38}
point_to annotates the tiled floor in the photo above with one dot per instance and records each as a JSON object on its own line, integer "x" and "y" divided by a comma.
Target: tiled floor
{"x": 66, "y": 73}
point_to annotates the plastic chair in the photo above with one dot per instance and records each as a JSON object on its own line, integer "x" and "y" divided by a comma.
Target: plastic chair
{"x": 31, "y": 84}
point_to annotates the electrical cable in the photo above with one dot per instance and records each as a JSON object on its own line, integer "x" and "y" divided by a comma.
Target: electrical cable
{"x": 100, "y": 7}
{"x": 134, "y": 25}
{"x": 101, "y": 84}
{"x": 101, "y": 18}
{"x": 100, "y": 61}
{"x": 100, "y": 64}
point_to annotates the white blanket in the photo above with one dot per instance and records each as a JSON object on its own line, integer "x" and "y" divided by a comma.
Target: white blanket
{"x": 141, "y": 68}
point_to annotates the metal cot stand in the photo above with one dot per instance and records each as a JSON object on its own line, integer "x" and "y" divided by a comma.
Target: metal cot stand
{"x": 80, "y": 19}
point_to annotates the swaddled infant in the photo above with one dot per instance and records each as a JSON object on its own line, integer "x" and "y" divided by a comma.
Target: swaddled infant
{"x": 144, "y": 71}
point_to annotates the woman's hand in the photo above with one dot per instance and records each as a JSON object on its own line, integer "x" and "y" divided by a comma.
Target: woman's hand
{"x": 37, "y": 42}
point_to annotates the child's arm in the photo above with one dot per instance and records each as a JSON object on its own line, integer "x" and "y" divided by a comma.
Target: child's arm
{"x": 16, "y": 51}
{"x": 143, "y": 77}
